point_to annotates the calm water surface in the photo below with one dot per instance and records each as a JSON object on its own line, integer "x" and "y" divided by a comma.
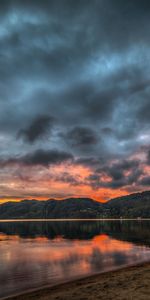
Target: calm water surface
{"x": 34, "y": 254}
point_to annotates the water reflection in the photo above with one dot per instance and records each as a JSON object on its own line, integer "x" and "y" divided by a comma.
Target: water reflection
{"x": 34, "y": 254}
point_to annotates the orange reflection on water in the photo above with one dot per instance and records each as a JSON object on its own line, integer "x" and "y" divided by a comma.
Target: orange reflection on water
{"x": 107, "y": 244}
{"x": 4, "y": 237}
{"x": 60, "y": 249}
{"x": 30, "y": 261}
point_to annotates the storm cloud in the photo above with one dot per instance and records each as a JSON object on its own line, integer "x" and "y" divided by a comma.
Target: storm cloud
{"x": 75, "y": 86}
{"x": 37, "y": 129}
{"x": 39, "y": 157}
{"x": 81, "y": 136}
{"x": 121, "y": 174}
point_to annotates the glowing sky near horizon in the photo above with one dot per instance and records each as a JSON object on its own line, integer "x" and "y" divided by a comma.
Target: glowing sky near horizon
{"x": 74, "y": 98}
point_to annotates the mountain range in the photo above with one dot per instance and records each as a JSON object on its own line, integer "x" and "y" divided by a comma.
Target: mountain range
{"x": 131, "y": 206}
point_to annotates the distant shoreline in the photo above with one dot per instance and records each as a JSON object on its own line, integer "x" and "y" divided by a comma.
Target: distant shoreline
{"x": 69, "y": 220}
{"x": 130, "y": 281}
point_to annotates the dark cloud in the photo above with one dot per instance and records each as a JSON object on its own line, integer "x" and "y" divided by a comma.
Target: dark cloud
{"x": 40, "y": 157}
{"x": 145, "y": 181}
{"x": 37, "y": 129}
{"x": 121, "y": 174}
{"x": 86, "y": 63}
{"x": 116, "y": 171}
{"x": 67, "y": 178}
{"x": 148, "y": 157}
{"x": 82, "y": 136}
{"x": 88, "y": 161}
{"x": 45, "y": 158}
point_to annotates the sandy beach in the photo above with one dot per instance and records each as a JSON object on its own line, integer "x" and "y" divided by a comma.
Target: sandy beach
{"x": 128, "y": 283}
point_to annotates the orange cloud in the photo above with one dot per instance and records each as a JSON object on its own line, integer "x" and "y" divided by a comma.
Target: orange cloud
{"x": 44, "y": 183}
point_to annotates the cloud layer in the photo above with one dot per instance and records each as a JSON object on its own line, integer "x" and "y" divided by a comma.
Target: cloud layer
{"x": 74, "y": 93}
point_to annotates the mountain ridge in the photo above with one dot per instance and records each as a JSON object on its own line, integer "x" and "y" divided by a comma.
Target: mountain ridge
{"x": 128, "y": 206}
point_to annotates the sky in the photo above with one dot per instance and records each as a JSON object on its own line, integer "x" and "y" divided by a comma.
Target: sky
{"x": 74, "y": 98}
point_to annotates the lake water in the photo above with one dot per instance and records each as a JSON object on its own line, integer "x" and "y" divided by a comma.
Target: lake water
{"x": 36, "y": 254}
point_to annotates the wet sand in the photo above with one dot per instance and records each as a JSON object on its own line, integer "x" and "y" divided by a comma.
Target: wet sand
{"x": 128, "y": 283}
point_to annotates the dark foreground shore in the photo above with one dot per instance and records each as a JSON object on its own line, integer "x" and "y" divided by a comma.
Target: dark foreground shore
{"x": 128, "y": 283}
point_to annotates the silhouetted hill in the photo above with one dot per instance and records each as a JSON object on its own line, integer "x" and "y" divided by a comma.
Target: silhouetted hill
{"x": 131, "y": 206}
